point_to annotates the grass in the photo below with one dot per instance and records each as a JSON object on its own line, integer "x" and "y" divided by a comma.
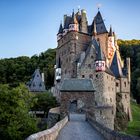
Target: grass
{"x": 134, "y": 126}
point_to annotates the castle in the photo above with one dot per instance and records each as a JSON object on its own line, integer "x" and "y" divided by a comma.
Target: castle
{"x": 90, "y": 52}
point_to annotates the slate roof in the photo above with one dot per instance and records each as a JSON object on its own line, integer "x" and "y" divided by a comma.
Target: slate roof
{"x": 67, "y": 22}
{"x": 73, "y": 19}
{"x": 110, "y": 32}
{"x": 36, "y": 84}
{"x": 81, "y": 85}
{"x": 99, "y": 53}
{"x": 78, "y": 16}
{"x": 100, "y": 26}
{"x": 107, "y": 70}
{"x": 116, "y": 66}
{"x": 60, "y": 29}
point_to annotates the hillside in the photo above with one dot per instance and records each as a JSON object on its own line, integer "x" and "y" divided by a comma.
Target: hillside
{"x": 134, "y": 126}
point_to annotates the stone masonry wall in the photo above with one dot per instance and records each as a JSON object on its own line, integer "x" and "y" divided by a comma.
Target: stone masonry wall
{"x": 68, "y": 48}
{"x": 53, "y": 117}
{"x": 49, "y": 134}
{"x": 86, "y": 98}
{"x": 108, "y": 133}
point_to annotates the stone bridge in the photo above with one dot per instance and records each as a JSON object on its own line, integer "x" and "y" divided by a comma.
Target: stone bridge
{"x": 79, "y": 129}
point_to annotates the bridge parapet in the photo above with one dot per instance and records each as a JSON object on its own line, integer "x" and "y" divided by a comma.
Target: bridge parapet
{"x": 108, "y": 133}
{"x": 49, "y": 134}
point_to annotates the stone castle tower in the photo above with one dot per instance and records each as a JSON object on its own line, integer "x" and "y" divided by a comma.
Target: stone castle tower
{"x": 91, "y": 52}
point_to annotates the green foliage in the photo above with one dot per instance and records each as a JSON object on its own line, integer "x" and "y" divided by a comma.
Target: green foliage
{"x": 15, "y": 121}
{"x": 16, "y": 70}
{"x": 131, "y": 48}
{"x": 134, "y": 126}
{"x": 44, "y": 102}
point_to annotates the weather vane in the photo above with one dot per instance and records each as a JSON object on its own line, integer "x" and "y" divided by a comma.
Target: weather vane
{"x": 78, "y": 7}
{"x": 99, "y": 6}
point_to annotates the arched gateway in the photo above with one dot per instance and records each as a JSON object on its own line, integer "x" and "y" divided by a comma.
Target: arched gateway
{"x": 76, "y": 96}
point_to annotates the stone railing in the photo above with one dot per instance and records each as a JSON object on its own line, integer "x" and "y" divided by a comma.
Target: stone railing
{"x": 49, "y": 134}
{"x": 108, "y": 133}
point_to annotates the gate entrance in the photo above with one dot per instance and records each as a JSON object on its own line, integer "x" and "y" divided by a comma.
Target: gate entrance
{"x": 73, "y": 106}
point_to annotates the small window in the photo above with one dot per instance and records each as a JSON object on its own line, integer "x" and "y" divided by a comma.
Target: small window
{"x": 96, "y": 75}
{"x": 117, "y": 84}
{"x": 111, "y": 100}
{"x": 37, "y": 75}
{"x": 100, "y": 112}
{"x": 95, "y": 103}
{"x": 92, "y": 56}
{"x": 125, "y": 96}
{"x": 125, "y": 84}
{"x": 89, "y": 65}
{"x": 83, "y": 76}
{"x": 112, "y": 112}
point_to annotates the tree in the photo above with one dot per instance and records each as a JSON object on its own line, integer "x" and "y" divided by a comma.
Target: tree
{"x": 138, "y": 88}
{"x": 15, "y": 121}
{"x": 44, "y": 102}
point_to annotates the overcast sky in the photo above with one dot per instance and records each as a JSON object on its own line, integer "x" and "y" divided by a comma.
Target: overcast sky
{"x": 29, "y": 27}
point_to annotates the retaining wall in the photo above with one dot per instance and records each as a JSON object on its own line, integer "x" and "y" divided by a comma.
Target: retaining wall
{"x": 49, "y": 134}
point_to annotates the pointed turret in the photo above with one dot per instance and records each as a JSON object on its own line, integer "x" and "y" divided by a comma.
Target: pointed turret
{"x": 100, "y": 60}
{"x": 78, "y": 16}
{"x": 116, "y": 66}
{"x": 100, "y": 26}
{"x": 115, "y": 41}
{"x": 100, "y": 55}
{"x": 74, "y": 20}
{"x": 60, "y": 32}
{"x": 94, "y": 29}
{"x": 73, "y": 26}
{"x": 110, "y": 32}
{"x": 60, "y": 29}
{"x": 67, "y": 20}
{"x": 111, "y": 44}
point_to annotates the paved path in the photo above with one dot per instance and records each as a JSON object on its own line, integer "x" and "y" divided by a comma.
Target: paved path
{"x": 78, "y": 129}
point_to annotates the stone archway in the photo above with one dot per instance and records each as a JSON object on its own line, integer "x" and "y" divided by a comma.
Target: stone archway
{"x": 73, "y": 106}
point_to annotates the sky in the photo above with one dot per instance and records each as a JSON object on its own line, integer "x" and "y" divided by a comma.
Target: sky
{"x": 29, "y": 27}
